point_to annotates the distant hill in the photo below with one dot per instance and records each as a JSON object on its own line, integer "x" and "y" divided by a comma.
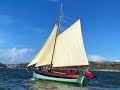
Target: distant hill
{"x": 17, "y": 66}
{"x": 3, "y": 65}
{"x": 96, "y": 66}
{"x": 105, "y": 66}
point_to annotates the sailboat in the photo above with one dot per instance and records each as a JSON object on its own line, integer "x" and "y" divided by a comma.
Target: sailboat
{"x": 61, "y": 50}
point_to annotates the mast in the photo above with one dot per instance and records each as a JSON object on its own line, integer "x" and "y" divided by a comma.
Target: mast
{"x": 58, "y": 23}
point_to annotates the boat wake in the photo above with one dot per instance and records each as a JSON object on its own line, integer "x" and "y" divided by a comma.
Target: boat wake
{"x": 32, "y": 79}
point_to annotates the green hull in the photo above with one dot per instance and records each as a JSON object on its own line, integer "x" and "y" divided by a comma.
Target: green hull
{"x": 78, "y": 80}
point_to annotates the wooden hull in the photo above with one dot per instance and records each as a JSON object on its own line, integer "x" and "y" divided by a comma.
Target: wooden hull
{"x": 60, "y": 77}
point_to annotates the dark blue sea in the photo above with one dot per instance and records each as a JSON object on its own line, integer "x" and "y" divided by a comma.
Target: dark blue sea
{"x": 20, "y": 79}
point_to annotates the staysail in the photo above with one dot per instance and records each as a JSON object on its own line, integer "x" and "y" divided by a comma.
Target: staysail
{"x": 44, "y": 56}
{"x": 69, "y": 49}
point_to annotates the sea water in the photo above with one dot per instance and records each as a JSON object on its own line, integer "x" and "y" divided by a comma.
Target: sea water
{"x": 20, "y": 79}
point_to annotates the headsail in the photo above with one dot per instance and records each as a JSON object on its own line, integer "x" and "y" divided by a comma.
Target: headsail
{"x": 69, "y": 49}
{"x": 45, "y": 54}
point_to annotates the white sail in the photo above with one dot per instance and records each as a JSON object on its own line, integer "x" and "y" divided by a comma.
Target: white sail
{"x": 45, "y": 54}
{"x": 69, "y": 49}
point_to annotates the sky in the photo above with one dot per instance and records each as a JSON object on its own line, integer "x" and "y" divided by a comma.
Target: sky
{"x": 26, "y": 24}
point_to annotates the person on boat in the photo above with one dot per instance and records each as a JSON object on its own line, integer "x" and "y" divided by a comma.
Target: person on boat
{"x": 40, "y": 68}
{"x": 69, "y": 72}
{"x": 75, "y": 73}
{"x": 49, "y": 69}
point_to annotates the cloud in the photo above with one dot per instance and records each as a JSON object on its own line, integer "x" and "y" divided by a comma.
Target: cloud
{"x": 102, "y": 58}
{"x": 96, "y": 58}
{"x": 15, "y": 55}
{"x": 6, "y": 20}
{"x": 117, "y": 60}
{"x": 54, "y": 0}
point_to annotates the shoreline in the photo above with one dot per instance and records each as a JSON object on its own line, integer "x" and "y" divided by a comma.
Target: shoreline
{"x": 73, "y": 69}
{"x": 107, "y": 70}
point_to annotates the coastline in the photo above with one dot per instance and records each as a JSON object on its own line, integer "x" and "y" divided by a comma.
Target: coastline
{"x": 107, "y": 70}
{"x": 94, "y": 66}
{"x": 73, "y": 69}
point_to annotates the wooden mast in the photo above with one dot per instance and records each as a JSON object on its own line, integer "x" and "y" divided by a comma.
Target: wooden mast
{"x": 58, "y": 23}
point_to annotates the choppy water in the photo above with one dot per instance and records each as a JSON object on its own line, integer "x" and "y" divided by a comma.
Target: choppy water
{"x": 20, "y": 79}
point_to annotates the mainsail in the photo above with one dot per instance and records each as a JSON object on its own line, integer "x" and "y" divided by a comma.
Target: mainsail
{"x": 68, "y": 51}
{"x": 44, "y": 56}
